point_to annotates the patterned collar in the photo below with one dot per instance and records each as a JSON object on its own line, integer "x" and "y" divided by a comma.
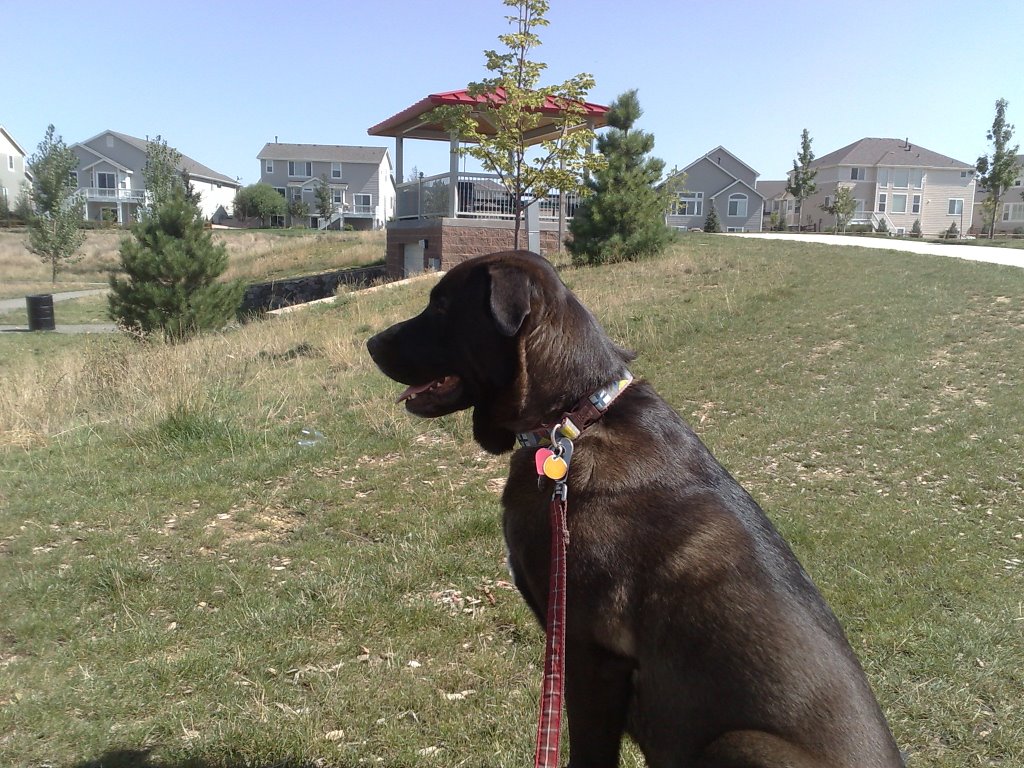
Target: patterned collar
{"x": 587, "y": 411}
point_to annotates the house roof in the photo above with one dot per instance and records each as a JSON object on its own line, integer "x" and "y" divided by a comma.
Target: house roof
{"x": 887, "y": 152}
{"x": 771, "y": 188}
{"x": 193, "y": 167}
{"x": 322, "y": 153}
{"x": 741, "y": 182}
{"x": 414, "y": 122}
{"x": 13, "y": 141}
{"x": 720, "y": 149}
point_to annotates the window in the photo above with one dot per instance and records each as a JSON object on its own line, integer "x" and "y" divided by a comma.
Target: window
{"x": 881, "y": 202}
{"x": 856, "y": 174}
{"x": 688, "y": 204}
{"x": 270, "y": 166}
{"x": 917, "y": 178}
{"x": 901, "y": 178}
{"x": 858, "y": 206}
{"x": 281, "y": 191}
{"x": 276, "y": 221}
{"x": 300, "y": 168}
{"x": 296, "y": 193}
{"x": 361, "y": 200}
{"x": 735, "y": 229}
{"x": 883, "y": 177}
{"x": 956, "y": 206}
{"x": 915, "y": 204}
{"x": 337, "y": 195}
{"x": 106, "y": 180}
{"x": 1013, "y": 212}
{"x": 899, "y": 203}
{"x": 828, "y": 200}
{"x": 10, "y": 162}
{"x": 737, "y": 205}
{"x": 335, "y": 170}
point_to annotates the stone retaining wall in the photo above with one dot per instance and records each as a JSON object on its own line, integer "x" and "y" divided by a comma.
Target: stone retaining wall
{"x": 298, "y": 290}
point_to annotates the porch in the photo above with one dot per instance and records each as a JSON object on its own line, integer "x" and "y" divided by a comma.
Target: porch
{"x": 477, "y": 196}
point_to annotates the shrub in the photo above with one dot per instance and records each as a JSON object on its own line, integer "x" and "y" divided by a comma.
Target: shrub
{"x": 915, "y": 229}
{"x": 711, "y": 223}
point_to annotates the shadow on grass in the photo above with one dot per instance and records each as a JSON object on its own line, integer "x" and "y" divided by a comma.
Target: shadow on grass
{"x": 140, "y": 758}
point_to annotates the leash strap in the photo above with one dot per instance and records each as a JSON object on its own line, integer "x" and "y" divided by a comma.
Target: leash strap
{"x": 549, "y": 724}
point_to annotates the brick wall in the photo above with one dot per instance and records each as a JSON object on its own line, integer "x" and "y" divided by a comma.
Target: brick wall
{"x": 449, "y": 241}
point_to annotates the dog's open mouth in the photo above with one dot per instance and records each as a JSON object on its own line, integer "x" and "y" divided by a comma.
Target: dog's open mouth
{"x": 435, "y": 398}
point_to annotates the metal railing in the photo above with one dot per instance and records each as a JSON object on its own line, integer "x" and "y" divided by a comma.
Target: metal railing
{"x": 104, "y": 194}
{"x": 479, "y": 196}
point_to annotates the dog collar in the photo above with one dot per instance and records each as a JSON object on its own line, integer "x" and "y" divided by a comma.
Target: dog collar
{"x": 587, "y": 411}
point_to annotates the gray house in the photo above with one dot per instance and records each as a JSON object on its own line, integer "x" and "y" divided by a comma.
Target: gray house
{"x": 1010, "y": 216}
{"x": 111, "y": 179}
{"x": 720, "y": 179}
{"x": 360, "y": 178}
{"x": 14, "y": 172}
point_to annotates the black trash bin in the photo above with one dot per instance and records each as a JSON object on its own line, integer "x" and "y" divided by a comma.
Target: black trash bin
{"x": 40, "y": 312}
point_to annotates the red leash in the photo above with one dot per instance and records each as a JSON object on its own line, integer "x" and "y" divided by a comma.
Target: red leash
{"x": 549, "y": 724}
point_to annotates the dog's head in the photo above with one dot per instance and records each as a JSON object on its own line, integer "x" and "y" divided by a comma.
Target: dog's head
{"x": 504, "y": 336}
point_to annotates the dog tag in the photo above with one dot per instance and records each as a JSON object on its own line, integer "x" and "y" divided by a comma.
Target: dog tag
{"x": 542, "y": 455}
{"x": 555, "y": 467}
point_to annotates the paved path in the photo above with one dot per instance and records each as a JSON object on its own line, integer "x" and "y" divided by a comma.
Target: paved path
{"x": 992, "y": 254}
{"x": 12, "y": 305}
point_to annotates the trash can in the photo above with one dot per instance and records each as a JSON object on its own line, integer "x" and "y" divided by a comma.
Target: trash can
{"x": 40, "y": 312}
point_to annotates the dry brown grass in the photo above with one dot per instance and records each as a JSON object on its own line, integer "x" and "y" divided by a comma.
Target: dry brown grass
{"x": 254, "y": 255}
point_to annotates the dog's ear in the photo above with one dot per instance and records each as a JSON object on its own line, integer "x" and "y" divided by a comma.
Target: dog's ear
{"x": 510, "y": 297}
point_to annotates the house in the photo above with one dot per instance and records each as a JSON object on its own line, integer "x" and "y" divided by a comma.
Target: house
{"x": 720, "y": 179}
{"x": 360, "y": 178}
{"x": 1010, "y": 217}
{"x": 111, "y": 179}
{"x": 896, "y": 183}
{"x": 777, "y": 201}
{"x": 14, "y": 172}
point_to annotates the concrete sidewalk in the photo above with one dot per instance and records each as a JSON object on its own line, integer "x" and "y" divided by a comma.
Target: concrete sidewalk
{"x": 1012, "y": 257}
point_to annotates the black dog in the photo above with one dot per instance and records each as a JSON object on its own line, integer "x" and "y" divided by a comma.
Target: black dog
{"x": 690, "y": 623}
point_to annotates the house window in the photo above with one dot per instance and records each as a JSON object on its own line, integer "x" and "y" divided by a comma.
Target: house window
{"x": 362, "y": 203}
{"x": 1013, "y": 212}
{"x": 858, "y": 206}
{"x": 881, "y": 202}
{"x": 10, "y": 162}
{"x": 300, "y": 169}
{"x": 735, "y": 229}
{"x": 296, "y": 193}
{"x": 737, "y": 205}
{"x": 337, "y": 195}
{"x": 335, "y": 170}
{"x": 901, "y": 178}
{"x": 276, "y": 221}
{"x": 828, "y": 200}
{"x": 955, "y": 207}
{"x": 899, "y": 203}
{"x": 917, "y": 178}
{"x": 281, "y": 191}
{"x": 856, "y": 174}
{"x": 106, "y": 180}
{"x": 883, "y": 177}
{"x": 270, "y": 166}
{"x": 915, "y": 204}
{"x": 688, "y": 204}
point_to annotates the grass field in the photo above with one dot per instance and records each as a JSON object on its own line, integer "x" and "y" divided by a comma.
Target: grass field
{"x": 186, "y": 582}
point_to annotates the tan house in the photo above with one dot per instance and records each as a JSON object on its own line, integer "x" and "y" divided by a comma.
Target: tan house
{"x": 1010, "y": 216}
{"x": 896, "y": 183}
{"x": 14, "y": 172}
{"x": 112, "y": 184}
{"x": 361, "y": 181}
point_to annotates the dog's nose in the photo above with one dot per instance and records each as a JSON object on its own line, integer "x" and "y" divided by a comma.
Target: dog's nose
{"x": 375, "y": 344}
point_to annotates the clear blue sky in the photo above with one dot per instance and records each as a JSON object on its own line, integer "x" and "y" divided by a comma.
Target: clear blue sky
{"x": 218, "y": 80}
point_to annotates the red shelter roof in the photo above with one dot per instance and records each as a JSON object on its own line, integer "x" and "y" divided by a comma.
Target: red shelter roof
{"x": 414, "y": 122}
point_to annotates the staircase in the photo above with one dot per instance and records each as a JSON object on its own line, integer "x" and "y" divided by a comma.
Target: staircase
{"x": 326, "y": 223}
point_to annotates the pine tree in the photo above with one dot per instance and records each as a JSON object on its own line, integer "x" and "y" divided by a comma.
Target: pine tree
{"x": 711, "y": 222}
{"x": 624, "y": 217}
{"x": 171, "y": 266}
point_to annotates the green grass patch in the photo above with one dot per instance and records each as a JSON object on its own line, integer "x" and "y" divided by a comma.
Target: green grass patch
{"x": 184, "y": 584}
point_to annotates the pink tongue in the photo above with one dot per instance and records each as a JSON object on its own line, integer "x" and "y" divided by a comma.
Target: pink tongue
{"x": 415, "y": 391}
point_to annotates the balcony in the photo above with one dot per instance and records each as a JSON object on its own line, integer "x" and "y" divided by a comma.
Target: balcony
{"x": 105, "y": 195}
{"x": 478, "y": 196}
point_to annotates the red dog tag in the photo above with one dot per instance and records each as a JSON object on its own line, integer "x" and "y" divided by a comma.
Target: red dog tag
{"x": 542, "y": 455}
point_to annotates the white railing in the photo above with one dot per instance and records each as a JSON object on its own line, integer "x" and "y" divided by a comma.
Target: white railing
{"x": 479, "y": 196}
{"x": 104, "y": 194}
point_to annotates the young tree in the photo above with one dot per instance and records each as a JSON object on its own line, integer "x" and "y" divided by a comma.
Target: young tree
{"x": 801, "y": 180}
{"x": 260, "y": 200}
{"x": 324, "y": 199}
{"x": 624, "y": 216}
{"x": 54, "y": 232}
{"x": 711, "y": 223}
{"x": 298, "y": 209}
{"x": 171, "y": 266}
{"x": 842, "y": 207}
{"x": 510, "y": 104}
{"x": 997, "y": 172}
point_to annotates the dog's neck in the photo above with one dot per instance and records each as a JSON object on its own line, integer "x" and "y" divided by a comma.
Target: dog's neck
{"x": 586, "y": 411}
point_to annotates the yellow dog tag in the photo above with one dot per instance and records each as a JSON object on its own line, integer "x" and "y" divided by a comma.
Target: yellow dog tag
{"x": 555, "y": 467}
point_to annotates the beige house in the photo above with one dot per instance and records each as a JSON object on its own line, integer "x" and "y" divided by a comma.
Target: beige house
{"x": 1010, "y": 216}
{"x": 361, "y": 181}
{"x": 112, "y": 184}
{"x": 895, "y": 182}
{"x": 14, "y": 172}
